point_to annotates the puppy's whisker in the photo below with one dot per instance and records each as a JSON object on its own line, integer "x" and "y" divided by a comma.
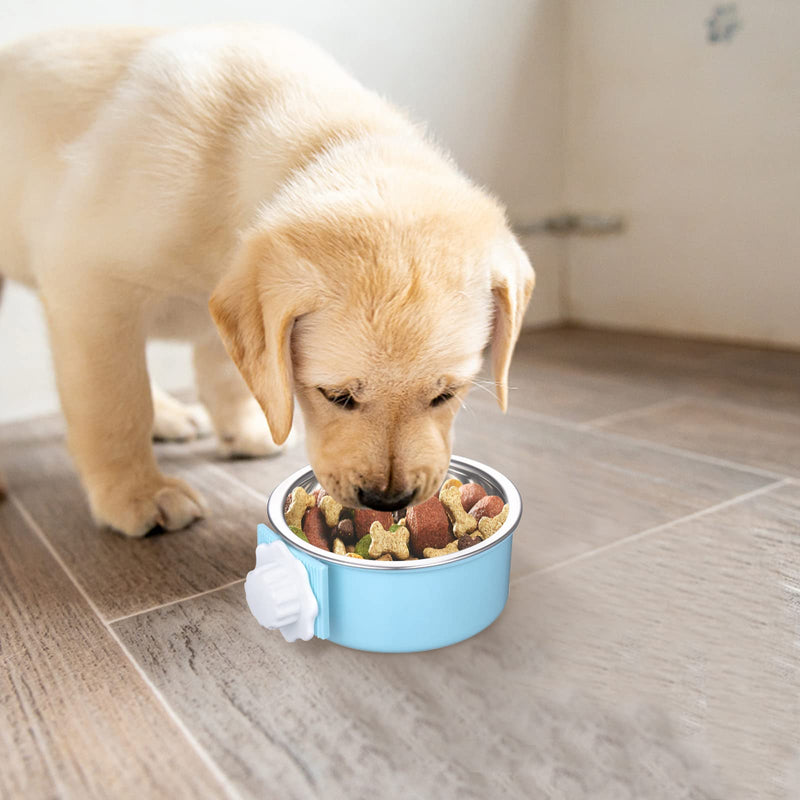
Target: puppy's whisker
{"x": 478, "y": 385}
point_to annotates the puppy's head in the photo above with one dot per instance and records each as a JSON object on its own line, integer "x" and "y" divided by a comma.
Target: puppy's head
{"x": 377, "y": 326}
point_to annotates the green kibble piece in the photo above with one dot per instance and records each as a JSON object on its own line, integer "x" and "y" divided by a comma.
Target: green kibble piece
{"x": 298, "y": 532}
{"x": 362, "y": 547}
{"x": 394, "y": 527}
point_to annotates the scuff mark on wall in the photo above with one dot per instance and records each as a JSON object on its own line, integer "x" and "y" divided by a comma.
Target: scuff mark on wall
{"x": 723, "y": 23}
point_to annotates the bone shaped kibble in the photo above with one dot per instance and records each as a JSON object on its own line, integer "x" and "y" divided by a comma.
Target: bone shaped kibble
{"x": 463, "y": 523}
{"x": 451, "y": 482}
{"x": 301, "y": 501}
{"x": 383, "y": 542}
{"x": 490, "y": 525}
{"x": 432, "y": 552}
{"x": 330, "y": 510}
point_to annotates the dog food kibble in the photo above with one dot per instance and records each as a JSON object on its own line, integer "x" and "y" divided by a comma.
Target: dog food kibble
{"x": 489, "y": 506}
{"x": 470, "y": 494}
{"x": 451, "y": 482}
{"x": 362, "y": 546}
{"x": 438, "y": 527}
{"x": 432, "y": 552}
{"x": 299, "y": 501}
{"x": 346, "y": 531}
{"x": 490, "y": 525}
{"x": 393, "y": 542}
{"x": 462, "y": 522}
{"x": 315, "y": 529}
{"x": 364, "y": 517}
{"x": 467, "y": 541}
{"x": 428, "y": 525}
{"x": 298, "y": 532}
{"x": 331, "y": 510}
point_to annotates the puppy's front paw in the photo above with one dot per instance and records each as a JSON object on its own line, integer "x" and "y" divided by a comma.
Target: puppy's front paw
{"x": 248, "y": 436}
{"x": 135, "y": 511}
{"x": 174, "y": 421}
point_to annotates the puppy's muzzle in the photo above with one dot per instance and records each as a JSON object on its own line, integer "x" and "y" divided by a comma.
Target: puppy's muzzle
{"x": 380, "y": 501}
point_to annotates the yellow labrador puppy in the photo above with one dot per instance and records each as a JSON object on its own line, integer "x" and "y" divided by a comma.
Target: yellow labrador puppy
{"x": 147, "y": 176}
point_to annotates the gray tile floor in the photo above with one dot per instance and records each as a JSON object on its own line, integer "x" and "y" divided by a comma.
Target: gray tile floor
{"x": 650, "y": 647}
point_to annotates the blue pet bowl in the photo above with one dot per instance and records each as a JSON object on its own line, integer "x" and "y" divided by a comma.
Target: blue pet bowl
{"x": 381, "y": 606}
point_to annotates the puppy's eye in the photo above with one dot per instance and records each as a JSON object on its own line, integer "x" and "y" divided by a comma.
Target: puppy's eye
{"x": 341, "y": 399}
{"x": 442, "y": 398}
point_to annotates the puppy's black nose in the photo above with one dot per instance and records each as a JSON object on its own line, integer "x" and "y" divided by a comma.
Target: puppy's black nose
{"x": 379, "y": 501}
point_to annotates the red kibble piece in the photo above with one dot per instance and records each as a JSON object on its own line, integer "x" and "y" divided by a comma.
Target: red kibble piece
{"x": 315, "y": 529}
{"x": 489, "y": 506}
{"x": 428, "y": 525}
{"x": 471, "y": 493}
{"x": 364, "y": 517}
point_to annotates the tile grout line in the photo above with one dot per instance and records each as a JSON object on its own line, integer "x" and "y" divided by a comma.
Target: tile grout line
{"x": 690, "y": 454}
{"x": 204, "y": 756}
{"x": 173, "y": 602}
{"x": 583, "y": 427}
{"x": 632, "y": 413}
{"x": 769, "y": 413}
{"x": 740, "y": 498}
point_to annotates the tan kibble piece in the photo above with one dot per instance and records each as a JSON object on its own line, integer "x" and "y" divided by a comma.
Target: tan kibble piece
{"x": 301, "y": 501}
{"x": 354, "y": 555}
{"x": 339, "y": 548}
{"x": 402, "y": 522}
{"x": 451, "y": 482}
{"x": 385, "y": 557}
{"x": 463, "y": 523}
{"x": 432, "y": 552}
{"x": 489, "y": 525}
{"x": 392, "y": 542}
{"x": 331, "y": 510}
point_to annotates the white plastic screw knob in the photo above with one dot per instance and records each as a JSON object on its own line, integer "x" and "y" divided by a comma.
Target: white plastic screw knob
{"x": 279, "y": 594}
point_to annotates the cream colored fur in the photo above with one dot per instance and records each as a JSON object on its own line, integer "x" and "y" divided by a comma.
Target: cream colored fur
{"x": 143, "y": 173}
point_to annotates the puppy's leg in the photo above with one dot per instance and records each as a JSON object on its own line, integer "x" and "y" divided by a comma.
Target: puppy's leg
{"x": 240, "y": 424}
{"x": 3, "y": 487}
{"x": 99, "y": 353}
{"x": 178, "y": 422}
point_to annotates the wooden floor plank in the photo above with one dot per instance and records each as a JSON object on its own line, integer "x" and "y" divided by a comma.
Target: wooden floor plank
{"x": 124, "y": 576}
{"x": 76, "y": 718}
{"x": 660, "y": 668}
{"x": 663, "y": 668}
{"x": 550, "y": 366}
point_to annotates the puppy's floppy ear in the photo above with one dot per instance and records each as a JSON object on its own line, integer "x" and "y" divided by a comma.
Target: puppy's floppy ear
{"x": 512, "y": 285}
{"x": 254, "y": 307}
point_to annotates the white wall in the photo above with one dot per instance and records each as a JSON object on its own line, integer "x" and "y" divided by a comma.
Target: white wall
{"x": 697, "y": 145}
{"x": 486, "y": 75}
{"x": 614, "y": 106}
